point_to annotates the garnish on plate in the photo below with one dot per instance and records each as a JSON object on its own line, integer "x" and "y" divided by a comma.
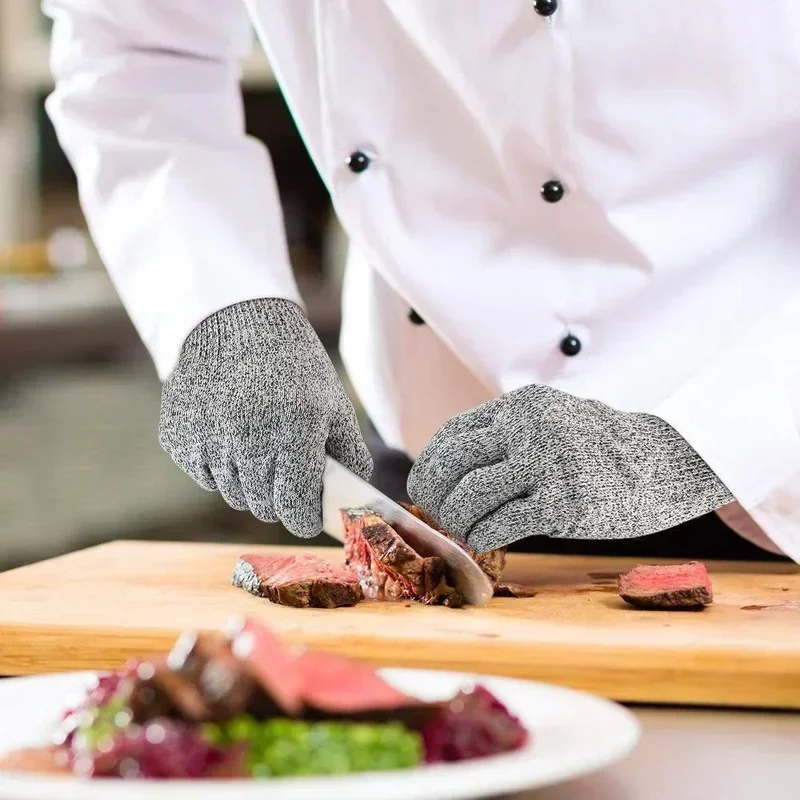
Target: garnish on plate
{"x": 245, "y": 705}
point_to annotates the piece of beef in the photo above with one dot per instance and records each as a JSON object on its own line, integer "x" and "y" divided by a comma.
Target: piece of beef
{"x": 492, "y": 562}
{"x": 506, "y": 589}
{"x": 208, "y": 677}
{"x": 172, "y": 687}
{"x": 334, "y": 687}
{"x": 271, "y": 663}
{"x": 337, "y": 685}
{"x": 196, "y": 685}
{"x": 157, "y": 691}
{"x": 681, "y": 586}
{"x": 301, "y": 581}
{"x": 207, "y": 660}
{"x": 390, "y": 569}
{"x": 320, "y": 685}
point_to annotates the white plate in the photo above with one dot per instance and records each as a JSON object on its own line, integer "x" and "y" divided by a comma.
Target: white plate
{"x": 572, "y": 734}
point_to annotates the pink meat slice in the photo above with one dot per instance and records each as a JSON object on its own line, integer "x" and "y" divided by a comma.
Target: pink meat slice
{"x": 271, "y": 663}
{"x": 390, "y": 569}
{"x": 319, "y": 680}
{"x": 301, "y": 580}
{"x": 667, "y": 586}
{"x": 286, "y": 568}
{"x": 336, "y": 685}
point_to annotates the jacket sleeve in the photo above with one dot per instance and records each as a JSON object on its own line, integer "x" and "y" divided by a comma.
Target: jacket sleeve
{"x": 741, "y": 413}
{"x": 182, "y": 205}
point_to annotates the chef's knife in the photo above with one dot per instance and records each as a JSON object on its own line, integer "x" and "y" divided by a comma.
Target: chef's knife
{"x": 344, "y": 489}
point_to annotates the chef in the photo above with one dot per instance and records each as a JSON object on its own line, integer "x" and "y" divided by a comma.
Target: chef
{"x": 573, "y": 291}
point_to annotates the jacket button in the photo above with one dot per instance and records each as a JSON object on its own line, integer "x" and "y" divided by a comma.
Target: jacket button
{"x": 570, "y": 345}
{"x": 545, "y": 8}
{"x": 415, "y": 318}
{"x": 358, "y": 161}
{"x": 552, "y": 191}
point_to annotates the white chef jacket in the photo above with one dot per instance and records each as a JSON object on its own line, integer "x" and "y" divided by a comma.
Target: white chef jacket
{"x": 673, "y": 256}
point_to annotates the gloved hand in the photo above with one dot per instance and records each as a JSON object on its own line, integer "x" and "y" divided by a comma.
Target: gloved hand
{"x": 540, "y": 462}
{"x": 252, "y": 407}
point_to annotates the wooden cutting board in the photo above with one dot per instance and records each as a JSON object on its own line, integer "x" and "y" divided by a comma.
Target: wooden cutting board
{"x": 98, "y": 607}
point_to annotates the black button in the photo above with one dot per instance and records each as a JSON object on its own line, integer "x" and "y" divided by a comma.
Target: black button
{"x": 570, "y": 345}
{"x": 545, "y": 8}
{"x": 552, "y": 191}
{"x": 415, "y": 318}
{"x": 358, "y": 161}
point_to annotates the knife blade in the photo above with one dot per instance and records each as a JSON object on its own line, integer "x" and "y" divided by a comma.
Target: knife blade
{"x": 344, "y": 489}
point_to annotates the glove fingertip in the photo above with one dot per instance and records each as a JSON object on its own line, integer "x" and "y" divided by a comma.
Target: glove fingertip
{"x": 363, "y": 465}
{"x": 307, "y": 533}
{"x": 304, "y": 527}
{"x": 205, "y": 483}
{"x": 263, "y": 513}
{"x": 297, "y": 492}
{"x": 355, "y": 456}
{"x": 416, "y": 485}
{"x": 483, "y": 538}
{"x": 191, "y": 465}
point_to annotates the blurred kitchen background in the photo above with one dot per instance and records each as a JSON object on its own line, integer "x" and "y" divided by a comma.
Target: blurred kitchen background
{"x": 79, "y": 398}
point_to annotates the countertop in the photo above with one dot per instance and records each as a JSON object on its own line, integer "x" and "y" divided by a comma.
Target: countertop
{"x": 692, "y": 754}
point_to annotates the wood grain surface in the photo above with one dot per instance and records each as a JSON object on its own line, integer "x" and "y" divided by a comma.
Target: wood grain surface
{"x": 96, "y": 608}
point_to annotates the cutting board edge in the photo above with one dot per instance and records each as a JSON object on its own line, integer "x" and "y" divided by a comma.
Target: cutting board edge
{"x": 767, "y": 684}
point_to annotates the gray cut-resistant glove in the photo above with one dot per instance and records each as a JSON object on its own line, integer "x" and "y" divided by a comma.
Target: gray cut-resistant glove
{"x": 540, "y": 462}
{"x": 253, "y": 406}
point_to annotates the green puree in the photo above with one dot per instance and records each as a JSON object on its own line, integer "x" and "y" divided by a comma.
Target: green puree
{"x": 282, "y": 747}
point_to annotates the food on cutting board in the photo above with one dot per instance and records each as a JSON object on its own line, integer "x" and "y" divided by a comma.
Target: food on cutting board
{"x": 390, "y": 569}
{"x": 378, "y": 565}
{"x": 672, "y": 587}
{"x": 492, "y": 562}
{"x": 245, "y": 705}
{"x": 301, "y": 580}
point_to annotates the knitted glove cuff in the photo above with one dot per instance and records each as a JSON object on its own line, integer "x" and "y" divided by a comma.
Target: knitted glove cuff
{"x": 249, "y": 323}
{"x": 688, "y": 468}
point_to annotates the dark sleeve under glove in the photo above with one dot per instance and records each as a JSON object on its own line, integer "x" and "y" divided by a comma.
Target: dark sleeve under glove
{"x": 253, "y": 406}
{"x": 541, "y": 462}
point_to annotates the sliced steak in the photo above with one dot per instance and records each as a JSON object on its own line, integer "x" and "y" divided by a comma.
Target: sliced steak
{"x": 319, "y": 685}
{"x": 681, "y": 586}
{"x": 207, "y": 660}
{"x": 301, "y": 581}
{"x": 157, "y": 690}
{"x": 390, "y": 569}
{"x": 208, "y": 677}
{"x": 337, "y": 685}
{"x": 271, "y": 663}
{"x": 182, "y": 685}
{"x": 493, "y": 562}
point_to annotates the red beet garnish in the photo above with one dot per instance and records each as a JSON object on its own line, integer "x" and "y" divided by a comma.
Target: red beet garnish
{"x": 102, "y": 691}
{"x": 472, "y": 725}
{"x": 162, "y": 748}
